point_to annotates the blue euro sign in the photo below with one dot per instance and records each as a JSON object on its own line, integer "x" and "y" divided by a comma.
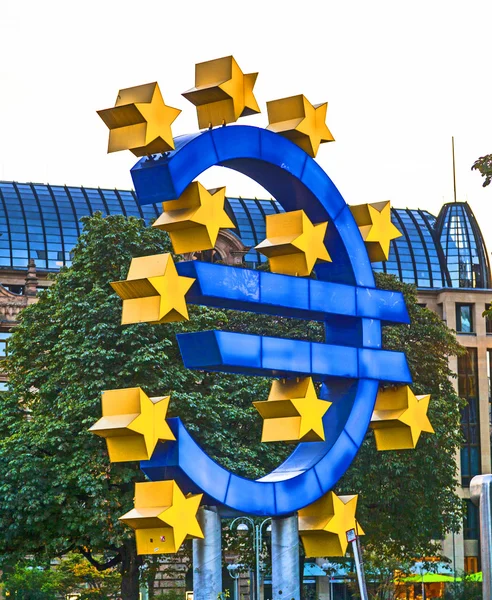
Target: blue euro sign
{"x": 350, "y": 364}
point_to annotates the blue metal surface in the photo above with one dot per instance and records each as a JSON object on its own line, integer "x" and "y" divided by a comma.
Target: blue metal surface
{"x": 287, "y": 296}
{"x": 351, "y": 364}
{"x": 293, "y": 178}
{"x": 309, "y": 472}
{"x": 247, "y": 354}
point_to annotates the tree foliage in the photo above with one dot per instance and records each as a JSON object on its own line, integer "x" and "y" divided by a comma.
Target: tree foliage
{"x": 73, "y": 575}
{"x": 58, "y": 488}
{"x": 484, "y": 166}
{"x": 408, "y": 498}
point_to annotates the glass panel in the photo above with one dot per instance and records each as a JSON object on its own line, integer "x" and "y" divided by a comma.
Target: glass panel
{"x": 464, "y": 318}
{"x": 470, "y": 529}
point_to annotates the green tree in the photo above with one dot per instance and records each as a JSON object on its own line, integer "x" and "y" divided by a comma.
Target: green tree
{"x": 58, "y": 488}
{"x": 86, "y": 581}
{"x": 59, "y": 491}
{"x": 27, "y": 580}
{"x": 407, "y": 499}
{"x": 484, "y": 166}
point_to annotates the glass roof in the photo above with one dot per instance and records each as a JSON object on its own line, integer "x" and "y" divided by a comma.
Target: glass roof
{"x": 41, "y": 222}
{"x": 463, "y": 247}
{"x": 447, "y": 251}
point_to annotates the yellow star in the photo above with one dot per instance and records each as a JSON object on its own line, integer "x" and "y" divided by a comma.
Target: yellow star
{"x": 399, "y": 418}
{"x": 193, "y": 221}
{"x": 222, "y": 92}
{"x": 181, "y": 516}
{"x": 323, "y": 525}
{"x": 163, "y": 517}
{"x": 376, "y": 228}
{"x": 132, "y": 424}
{"x": 153, "y": 291}
{"x": 300, "y": 121}
{"x": 294, "y": 243}
{"x": 293, "y": 412}
{"x": 140, "y": 121}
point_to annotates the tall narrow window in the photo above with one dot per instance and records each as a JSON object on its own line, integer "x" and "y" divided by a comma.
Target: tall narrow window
{"x": 468, "y": 389}
{"x": 464, "y": 318}
{"x": 470, "y": 529}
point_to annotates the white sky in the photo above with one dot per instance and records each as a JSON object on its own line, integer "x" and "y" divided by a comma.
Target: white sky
{"x": 400, "y": 78}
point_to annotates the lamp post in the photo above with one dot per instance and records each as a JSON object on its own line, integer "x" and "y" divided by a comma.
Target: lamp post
{"x": 235, "y": 572}
{"x": 241, "y": 525}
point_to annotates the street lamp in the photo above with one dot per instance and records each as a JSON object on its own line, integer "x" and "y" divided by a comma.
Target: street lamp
{"x": 235, "y": 572}
{"x": 241, "y": 526}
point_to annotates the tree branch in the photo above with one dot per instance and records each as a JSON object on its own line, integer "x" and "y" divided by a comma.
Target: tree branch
{"x": 66, "y": 550}
{"x": 95, "y": 563}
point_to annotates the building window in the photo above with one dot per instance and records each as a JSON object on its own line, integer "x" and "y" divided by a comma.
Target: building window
{"x": 488, "y": 321}
{"x": 470, "y": 529}
{"x": 15, "y": 289}
{"x": 464, "y": 318}
{"x": 468, "y": 389}
{"x": 4, "y": 336}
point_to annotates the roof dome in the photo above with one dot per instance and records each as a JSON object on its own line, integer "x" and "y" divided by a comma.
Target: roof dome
{"x": 463, "y": 246}
{"x": 437, "y": 253}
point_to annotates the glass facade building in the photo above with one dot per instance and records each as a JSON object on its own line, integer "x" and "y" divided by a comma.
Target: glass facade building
{"x": 463, "y": 247}
{"x": 42, "y": 222}
{"x": 447, "y": 251}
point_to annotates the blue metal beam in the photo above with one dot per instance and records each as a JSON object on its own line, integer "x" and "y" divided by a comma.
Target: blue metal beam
{"x": 287, "y": 296}
{"x": 247, "y": 354}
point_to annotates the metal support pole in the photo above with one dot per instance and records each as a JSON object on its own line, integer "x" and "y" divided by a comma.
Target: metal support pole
{"x": 481, "y": 496}
{"x": 257, "y": 545}
{"x": 286, "y": 583}
{"x": 454, "y": 168}
{"x": 259, "y": 548}
{"x": 235, "y": 573}
{"x": 207, "y": 556}
{"x": 353, "y": 538}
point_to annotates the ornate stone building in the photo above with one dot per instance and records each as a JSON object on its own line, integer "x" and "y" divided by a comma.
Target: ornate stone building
{"x": 12, "y": 302}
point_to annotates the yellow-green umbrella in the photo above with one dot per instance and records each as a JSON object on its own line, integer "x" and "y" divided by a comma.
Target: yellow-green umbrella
{"x": 428, "y": 578}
